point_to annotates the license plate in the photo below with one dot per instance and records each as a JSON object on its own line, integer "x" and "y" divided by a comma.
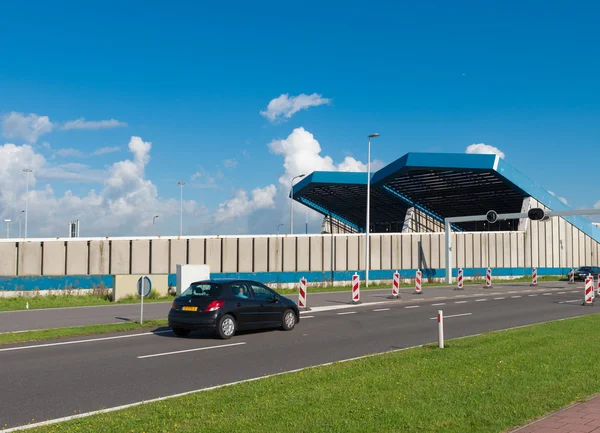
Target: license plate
{"x": 186, "y": 308}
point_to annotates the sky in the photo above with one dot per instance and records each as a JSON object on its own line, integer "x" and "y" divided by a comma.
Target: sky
{"x": 111, "y": 104}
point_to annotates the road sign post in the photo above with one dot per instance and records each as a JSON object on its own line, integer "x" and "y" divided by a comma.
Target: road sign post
{"x": 144, "y": 286}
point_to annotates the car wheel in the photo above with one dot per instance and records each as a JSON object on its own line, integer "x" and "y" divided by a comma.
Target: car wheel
{"x": 289, "y": 320}
{"x": 180, "y": 332}
{"x": 226, "y": 327}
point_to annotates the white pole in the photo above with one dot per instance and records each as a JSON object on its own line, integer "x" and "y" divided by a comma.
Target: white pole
{"x": 26, "y": 200}
{"x": 440, "y": 329}
{"x": 292, "y": 208}
{"x": 19, "y": 226}
{"x": 142, "y": 301}
{"x": 368, "y": 213}
{"x": 448, "y": 253}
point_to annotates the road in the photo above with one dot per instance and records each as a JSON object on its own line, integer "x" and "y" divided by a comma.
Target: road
{"x": 11, "y": 321}
{"x": 56, "y": 379}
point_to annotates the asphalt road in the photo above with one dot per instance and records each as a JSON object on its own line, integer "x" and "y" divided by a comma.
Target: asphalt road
{"x": 11, "y": 321}
{"x": 47, "y": 380}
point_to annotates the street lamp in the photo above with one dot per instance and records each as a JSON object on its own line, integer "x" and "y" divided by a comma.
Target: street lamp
{"x": 280, "y": 225}
{"x": 181, "y": 183}
{"x": 292, "y": 202}
{"x": 26, "y": 171}
{"x": 368, "y": 208}
{"x": 20, "y": 215}
{"x": 7, "y": 221}
{"x": 153, "y": 222}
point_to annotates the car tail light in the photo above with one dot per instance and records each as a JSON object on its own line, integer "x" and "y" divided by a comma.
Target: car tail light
{"x": 214, "y": 306}
{"x": 173, "y": 306}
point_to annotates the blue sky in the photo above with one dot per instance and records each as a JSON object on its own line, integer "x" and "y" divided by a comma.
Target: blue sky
{"x": 192, "y": 78}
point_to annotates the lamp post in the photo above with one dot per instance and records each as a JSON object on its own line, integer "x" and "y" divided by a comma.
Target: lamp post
{"x": 280, "y": 225}
{"x": 20, "y": 215}
{"x": 26, "y": 171}
{"x": 153, "y": 222}
{"x": 181, "y": 183}
{"x": 368, "y": 208}
{"x": 292, "y": 202}
{"x": 7, "y": 221}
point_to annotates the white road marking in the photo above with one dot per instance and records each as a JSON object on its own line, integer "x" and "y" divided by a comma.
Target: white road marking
{"x": 532, "y": 295}
{"x": 480, "y": 300}
{"x": 382, "y": 309}
{"x": 439, "y": 297}
{"x": 413, "y": 306}
{"x": 478, "y": 294}
{"x": 518, "y": 296}
{"x": 453, "y": 315}
{"x": 497, "y": 293}
{"x": 190, "y": 350}
{"x": 512, "y": 291}
{"x": 308, "y": 317}
{"x": 573, "y": 300}
{"x": 561, "y": 293}
{"x": 341, "y": 307}
{"x": 546, "y": 294}
{"x": 496, "y": 299}
{"x": 441, "y": 303}
{"x": 461, "y": 302}
{"x": 527, "y": 291}
{"x": 460, "y": 296}
{"x": 347, "y": 312}
{"x": 91, "y": 340}
{"x": 574, "y": 291}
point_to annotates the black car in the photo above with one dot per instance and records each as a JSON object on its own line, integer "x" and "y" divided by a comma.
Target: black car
{"x": 230, "y": 305}
{"x": 582, "y": 272}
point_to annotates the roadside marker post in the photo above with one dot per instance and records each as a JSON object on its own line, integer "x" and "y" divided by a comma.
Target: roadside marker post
{"x": 589, "y": 291}
{"x": 440, "y": 329}
{"x": 534, "y": 277}
{"x": 395, "y": 286}
{"x": 355, "y": 289}
{"x": 302, "y": 295}
{"x": 488, "y": 279}
{"x": 598, "y": 286}
{"x": 572, "y": 276}
{"x": 144, "y": 286}
{"x": 418, "y": 282}
{"x": 459, "y": 280}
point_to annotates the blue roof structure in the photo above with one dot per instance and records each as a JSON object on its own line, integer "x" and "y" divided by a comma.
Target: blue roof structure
{"x": 439, "y": 184}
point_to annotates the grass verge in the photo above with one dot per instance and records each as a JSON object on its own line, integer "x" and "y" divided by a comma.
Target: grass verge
{"x": 76, "y": 331}
{"x": 487, "y": 383}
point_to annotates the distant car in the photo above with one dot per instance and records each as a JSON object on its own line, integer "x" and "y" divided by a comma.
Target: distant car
{"x": 227, "y": 306}
{"x": 582, "y": 272}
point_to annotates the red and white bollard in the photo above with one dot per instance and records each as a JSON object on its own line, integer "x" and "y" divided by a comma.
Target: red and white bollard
{"x": 396, "y": 286}
{"x": 572, "y": 276}
{"x": 534, "y": 277}
{"x": 589, "y": 291}
{"x": 598, "y": 286}
{"x": 459, "y": 280}
{"x": 355, "y": 289}
{"x": 302, "y": 294}
{"x": 418, "y": 282}
{"x": 488, "y": 279}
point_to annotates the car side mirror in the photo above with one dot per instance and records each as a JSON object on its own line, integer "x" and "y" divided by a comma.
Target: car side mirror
{"x": 275, "y": 299}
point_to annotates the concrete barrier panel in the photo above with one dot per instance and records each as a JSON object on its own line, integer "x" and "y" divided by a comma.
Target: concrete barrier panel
{"x": 8, "y": 259}
{"x": 514, "y": 245}
{"x": 361, "y": 252}
{"x": 588, "y": 251}
{"x": 469, "y": 251}
{"x": 99, "y": 257}
{"x": 542, "y": 244}
{"x": 575, "y": 249}
{"x": 443, "y": 251}
{"x": 555, "y": 242}
{"x": 454, "y": 250}
{"x": 499, "y": 250}
{"x": 30, "y": 258}
{"x": 520, "y": 249}
{"x": 245, "y": 255}
{"x": 54, "y": 256}
{"x": 562, "y": 236}
{"x": 353, "y": 251}
{"x": 435, "y": 251}
{"x": 275, "y": 254}
{"x": 230, "y": 255}
{"x": 415, "y": 259}
{"x": 535, "y": 242}
{"x": 407, "y": 252}
{"x": 140, "y": 256}
{"x": 213, "y": 255}
{"x": 289, "y": 254}
{"x": 477, "y": 250}
{"x": 491, "y": 238}
{"x": 460, "y": 250}
{"x": 527, "y": 244}
{"x": 261, "y": 247}
{"x": 303, "y": 248}
{"x": 328, "y": 252}
{"x": 386, "y": 251}
{"x": 77, "y": 258}
{"x": 178, "y": 254}
{"x": 426, "y": 251}
{"x": 316, "y": 253}
{"x": 506, "y": 249}
{"x": 160, "y": 256}
{"x": 548, "y": 241}
{"x": 485, "y": 248}
{"x": 195, "y": 253}
{"x": 126, "y": 285}
{"x": 375, "y": 248}
{"x": 397, "y": 252}
{"x": 119, "y": 257}
{"x": 341, "y": 253}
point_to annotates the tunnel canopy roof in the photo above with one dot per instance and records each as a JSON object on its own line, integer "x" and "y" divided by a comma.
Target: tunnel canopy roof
{"x": 439, "y": 184}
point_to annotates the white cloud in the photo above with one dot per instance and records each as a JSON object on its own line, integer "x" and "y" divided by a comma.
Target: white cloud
{"x": 482, "y": 148}
{"x": 230, "y": 163}
{"x": 196, "y": 175}
{"x": 284, "y": 106}
{"x": 242, "y": 205}
{"x": 26, "y": 127}
{"x": 81, "y": 123}
{"x": 106, "y": 150}
{"x": 69, "y": 152}
{"x": 564, "y": 200}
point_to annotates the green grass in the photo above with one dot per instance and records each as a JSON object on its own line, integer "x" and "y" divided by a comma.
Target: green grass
{"x": 76, "y": 331}
{"x": 487, "y": 383}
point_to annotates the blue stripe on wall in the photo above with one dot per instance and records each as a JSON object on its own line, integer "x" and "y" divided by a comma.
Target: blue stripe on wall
{"x": 89, "y": 282}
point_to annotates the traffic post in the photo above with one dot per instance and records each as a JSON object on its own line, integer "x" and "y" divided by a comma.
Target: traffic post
{"x": 459, "y": 280}
{"x": 395, "y": 286}
{"x": 302, "y": 295}
{"x": 418, "y": 281}
{"x": 440, "y": 318}
{"x": 534, "y": 277}
{"x": 572, "y": 276}
{"x": 355, "y": 289}
{"x": 488, "y": 279}
{"x": 144, "y": 286}
{"x": 598, "y": 287}
{"x": 589, "y": 291}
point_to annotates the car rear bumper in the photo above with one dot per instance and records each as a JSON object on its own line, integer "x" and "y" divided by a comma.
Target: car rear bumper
{"x": 192, "y": 320}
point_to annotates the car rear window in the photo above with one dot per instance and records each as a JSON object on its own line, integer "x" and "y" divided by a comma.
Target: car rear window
{"x": 208, "y": 290}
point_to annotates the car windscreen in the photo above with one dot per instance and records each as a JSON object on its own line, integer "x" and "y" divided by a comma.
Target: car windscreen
{"x": 584, "y": 269}
{"x": 205, "y": 290}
